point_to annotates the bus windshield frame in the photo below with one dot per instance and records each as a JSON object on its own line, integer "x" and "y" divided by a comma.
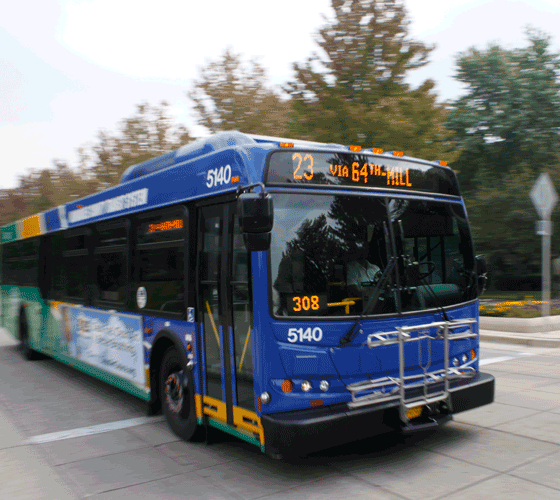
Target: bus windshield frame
{"x": 328, "y": 252}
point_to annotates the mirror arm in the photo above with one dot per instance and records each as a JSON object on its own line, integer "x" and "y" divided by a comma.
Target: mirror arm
{"x": 249, "y": 187}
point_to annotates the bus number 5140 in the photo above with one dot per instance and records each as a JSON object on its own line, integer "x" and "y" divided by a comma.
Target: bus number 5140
{"x": 295, "y": 334}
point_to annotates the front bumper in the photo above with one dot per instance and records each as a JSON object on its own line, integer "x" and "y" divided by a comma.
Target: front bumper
{"x": 304, "y": 431}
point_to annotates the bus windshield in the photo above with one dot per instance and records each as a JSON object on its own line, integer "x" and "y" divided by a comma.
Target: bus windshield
{"x": 328, "y": 253}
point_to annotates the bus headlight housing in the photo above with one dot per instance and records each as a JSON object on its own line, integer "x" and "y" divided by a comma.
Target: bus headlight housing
{"x": 306, "y": 386}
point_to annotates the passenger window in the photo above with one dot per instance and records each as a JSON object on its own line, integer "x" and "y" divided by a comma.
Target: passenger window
{"x": 111, "y": 262}
{"x": 76, "y": 265}
{"x": 159, "y": 262}
{"x": 21, "y": 261}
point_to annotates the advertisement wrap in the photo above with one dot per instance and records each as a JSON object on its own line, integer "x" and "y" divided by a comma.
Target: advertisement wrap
{"x": 109, "y": 341}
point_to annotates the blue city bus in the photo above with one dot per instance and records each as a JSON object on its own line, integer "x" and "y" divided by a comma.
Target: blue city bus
{"x": 295, "y": 294}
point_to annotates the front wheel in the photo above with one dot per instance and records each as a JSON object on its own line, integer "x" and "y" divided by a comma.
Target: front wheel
{"x": 177, "y": 396}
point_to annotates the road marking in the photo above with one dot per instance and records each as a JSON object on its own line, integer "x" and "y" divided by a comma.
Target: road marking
{"x": 93, "y": 429}
{"x": 499, "y": 359}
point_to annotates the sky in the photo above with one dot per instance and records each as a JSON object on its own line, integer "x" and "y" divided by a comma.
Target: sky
{"x": 71, "y": 68}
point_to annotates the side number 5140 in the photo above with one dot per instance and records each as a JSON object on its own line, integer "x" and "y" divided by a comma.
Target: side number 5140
{"x": 309, "y": 334}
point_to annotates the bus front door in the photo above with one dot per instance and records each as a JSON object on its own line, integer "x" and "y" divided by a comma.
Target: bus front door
{"x": 225, "y": 311}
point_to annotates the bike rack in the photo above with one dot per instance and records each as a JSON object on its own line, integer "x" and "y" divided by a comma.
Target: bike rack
{"x": 395, "y": 389}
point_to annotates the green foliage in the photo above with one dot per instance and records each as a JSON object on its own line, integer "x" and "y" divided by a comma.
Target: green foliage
{"x": 149, "y": 132}
{"x": 509, "y": 117}
{"x": 506, "y": 132}
{"x": 355, "y": 92}
{"x": 231, "y": 94}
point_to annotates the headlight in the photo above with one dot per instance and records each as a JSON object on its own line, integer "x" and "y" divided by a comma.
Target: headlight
{"x": 306, "y": 386}
{"x": 324, "y": 385}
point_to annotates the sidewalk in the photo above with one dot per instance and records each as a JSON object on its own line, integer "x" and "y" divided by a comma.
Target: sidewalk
{"x": 25, "y": 473}
{"x": 533, "y": 332}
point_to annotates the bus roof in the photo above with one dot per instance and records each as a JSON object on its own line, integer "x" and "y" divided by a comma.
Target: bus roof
{"x": 216, "y": 164}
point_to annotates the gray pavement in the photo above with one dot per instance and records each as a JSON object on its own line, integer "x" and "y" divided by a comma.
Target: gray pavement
{"x": 25, "y": 473}
{"x": 510, "y": 449}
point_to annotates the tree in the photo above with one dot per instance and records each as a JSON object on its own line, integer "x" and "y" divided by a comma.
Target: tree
{"x": 509, "y": 117}
{"x": 356, "y": 92}
{"x": 506, "y": 130}
{"x": 231, "y": 94}
{"x": 150, "y": 132}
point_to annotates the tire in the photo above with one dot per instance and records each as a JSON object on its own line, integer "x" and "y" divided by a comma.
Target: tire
{"x": 30, "y": 354}
{"x": 177, "y": 399}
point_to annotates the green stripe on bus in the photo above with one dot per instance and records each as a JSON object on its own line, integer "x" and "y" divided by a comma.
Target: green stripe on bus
{"x": 9, "y": 233}
{"x": 234, "y": 432}
{"x": 99, "y": 374}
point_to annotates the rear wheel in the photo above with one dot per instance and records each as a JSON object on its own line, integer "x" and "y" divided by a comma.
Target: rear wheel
{"x": 29, "y": 353}
{"x": 177, "y": 396}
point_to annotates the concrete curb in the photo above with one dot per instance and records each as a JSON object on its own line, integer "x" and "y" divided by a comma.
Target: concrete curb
{"x": 530, "y": 341}
{"x": 520, "y": 325}
{"x": 533, "y": 332}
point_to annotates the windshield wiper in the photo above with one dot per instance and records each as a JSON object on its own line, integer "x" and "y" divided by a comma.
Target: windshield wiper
{"x": 416, "y": 275}
{"x": 379, "y": 288}
{"x": 355, "y": 328}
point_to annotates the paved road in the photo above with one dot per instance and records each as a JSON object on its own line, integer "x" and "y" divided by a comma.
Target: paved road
{"x": 510, "y": 449}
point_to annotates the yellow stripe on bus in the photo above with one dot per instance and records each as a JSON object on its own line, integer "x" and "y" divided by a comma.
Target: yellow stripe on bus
{"x": 30, "y": 227}
{"x": 214, "y": 408}
{"x": 248, "y": 421}
{"x": 198, "y": 405}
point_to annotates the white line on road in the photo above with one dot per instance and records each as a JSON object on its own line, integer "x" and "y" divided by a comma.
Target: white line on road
{"x": 93, "y": 429}
{"x": 499, "y": 359}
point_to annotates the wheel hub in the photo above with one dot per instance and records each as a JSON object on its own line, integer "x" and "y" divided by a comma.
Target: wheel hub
{"x": 174, "y": 393}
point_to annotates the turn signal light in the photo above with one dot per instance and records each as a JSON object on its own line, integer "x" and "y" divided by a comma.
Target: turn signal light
{"x": 443, "y": 163}
{"x": 355, "y": 148}
{"x": 473, "y": 354}
{"x": 377, "y": 151}
{"x": 398, "y": 153}
{"x": 286, "y": 144}
{"x": 287, "y": 386}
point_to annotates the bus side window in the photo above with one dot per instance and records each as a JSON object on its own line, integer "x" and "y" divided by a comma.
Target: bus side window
{"x": 55, "y": 271}
{"x": 76, "y": 264}
{"x": 20, "y": 263}
{"x": 159, "y": 261}
{"x": 111, "y": 263}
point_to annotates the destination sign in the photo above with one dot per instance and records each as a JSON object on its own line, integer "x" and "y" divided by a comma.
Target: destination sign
{"x": 167, "y": 225}
{"x": 166, "y": 228}
{"x": 359, "y": 170}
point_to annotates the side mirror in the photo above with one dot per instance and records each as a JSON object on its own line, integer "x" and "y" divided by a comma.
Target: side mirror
{"x": 482, "y": 273}
{"x": 256, "y": 218}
